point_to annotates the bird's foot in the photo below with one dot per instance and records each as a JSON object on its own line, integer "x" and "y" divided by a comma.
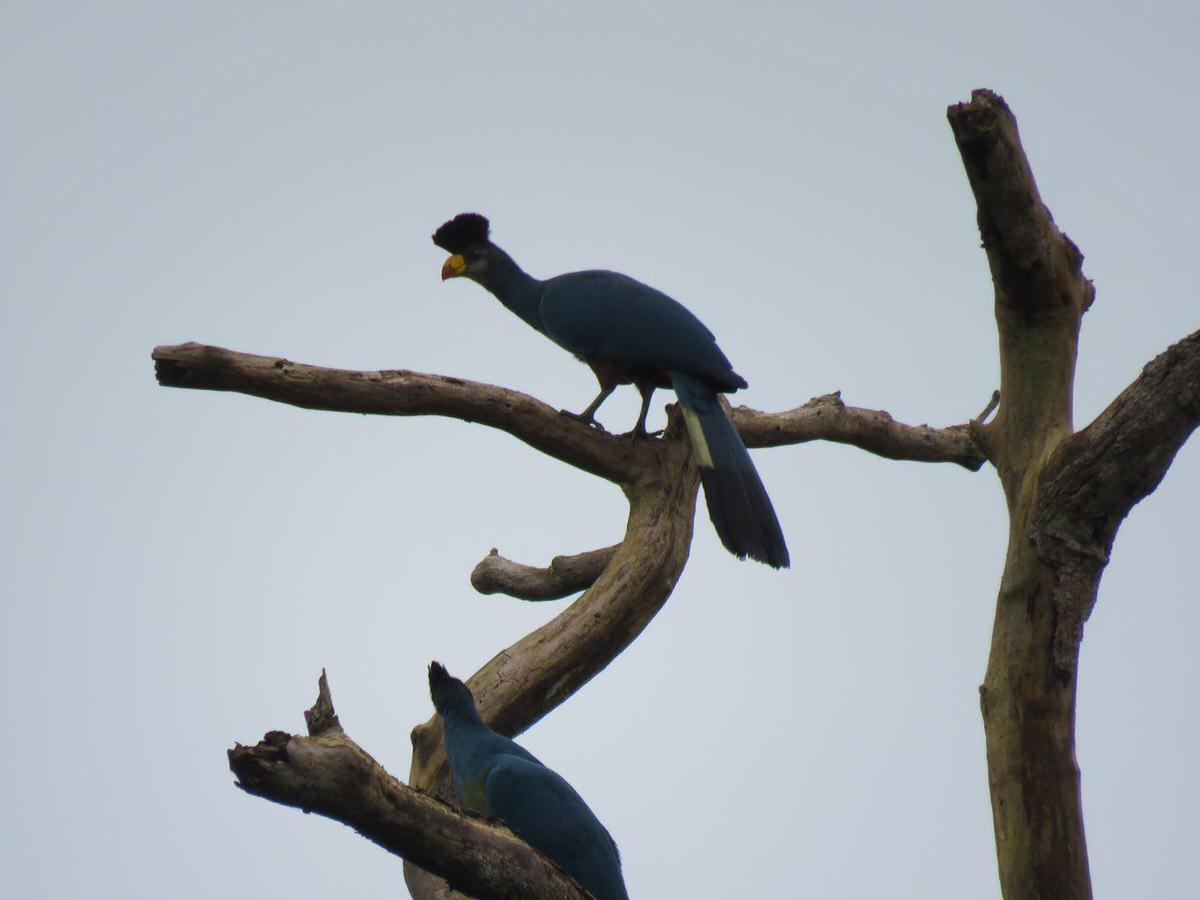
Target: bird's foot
{"x": 641, "y": 433}
{"x": 586, "y": 420}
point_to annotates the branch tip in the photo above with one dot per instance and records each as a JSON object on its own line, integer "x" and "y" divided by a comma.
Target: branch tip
{"x": 992, "y": 404}
{"x": 321, "y": 717}
{"x": 828, "y": 418}
{"x": 564, "y": 576}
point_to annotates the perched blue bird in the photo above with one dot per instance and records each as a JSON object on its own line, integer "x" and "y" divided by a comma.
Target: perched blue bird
{"x": 630, "y": 333}
{"x": 495, "y": 777}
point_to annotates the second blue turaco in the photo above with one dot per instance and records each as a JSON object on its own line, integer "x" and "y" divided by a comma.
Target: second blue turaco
{"x": 496, "y": 777}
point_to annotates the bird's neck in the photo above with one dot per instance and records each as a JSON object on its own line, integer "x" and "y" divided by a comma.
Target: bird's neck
{"x": 462, "y": 715}
{"x": 512, "y": 286}
{"x": 469, "y": 750}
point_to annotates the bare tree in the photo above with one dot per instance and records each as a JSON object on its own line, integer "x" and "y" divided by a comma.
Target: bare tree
{"x": 1067, "y": 493}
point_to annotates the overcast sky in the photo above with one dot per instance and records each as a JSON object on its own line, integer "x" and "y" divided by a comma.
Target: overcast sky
{"x": 178, "y": 566}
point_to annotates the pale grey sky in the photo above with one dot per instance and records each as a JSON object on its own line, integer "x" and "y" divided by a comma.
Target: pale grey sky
{"x": 177, "y": 567}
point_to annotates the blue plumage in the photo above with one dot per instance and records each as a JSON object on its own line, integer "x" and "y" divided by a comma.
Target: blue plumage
{"x": 610, "y": 316}
{"x": 496, "y": 777}
{"x": 630, "y": 333}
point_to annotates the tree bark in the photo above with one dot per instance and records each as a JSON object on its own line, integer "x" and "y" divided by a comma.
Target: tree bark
{"x": 1027, "y": 699}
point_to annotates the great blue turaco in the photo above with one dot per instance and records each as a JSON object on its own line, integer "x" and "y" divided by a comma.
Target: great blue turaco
{"x": 496, "y": 777}
{"x": 630, "y": 333}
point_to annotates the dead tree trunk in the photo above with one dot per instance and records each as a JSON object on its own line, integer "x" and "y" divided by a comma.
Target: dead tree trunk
{"x": 1067, "y": 493}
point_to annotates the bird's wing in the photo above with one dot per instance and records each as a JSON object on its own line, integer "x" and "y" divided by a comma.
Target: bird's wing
{"x": 472, "y": 749}
{"x": 612, "y": 317}
{"x": 540, "y": 806}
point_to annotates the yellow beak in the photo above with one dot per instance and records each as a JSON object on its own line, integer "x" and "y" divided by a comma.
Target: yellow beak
{"x": 454, "y": 267}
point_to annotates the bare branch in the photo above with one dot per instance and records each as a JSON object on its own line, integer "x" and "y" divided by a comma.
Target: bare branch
{"x": 564, "y": 576}
{"x": 401, "y": 393}
{"x": 827, "y": 418}
{"x": 1102, "y": 472}
{"x": 330, "y": 774}
{"x": 321, "y": 717}
{"x": 540, "y": 671}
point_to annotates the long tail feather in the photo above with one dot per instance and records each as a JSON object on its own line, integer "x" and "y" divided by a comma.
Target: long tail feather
{"x": 737, "y": 502}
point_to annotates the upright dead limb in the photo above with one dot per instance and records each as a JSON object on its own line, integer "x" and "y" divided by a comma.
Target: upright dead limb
{"x": 1066, "y": 494}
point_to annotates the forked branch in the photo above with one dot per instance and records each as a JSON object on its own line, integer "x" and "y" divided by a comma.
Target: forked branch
{"x": 1099, "y": 474}
{"x": 1104, "y": 470}
{"x": 1028, "y": 695}
{"x": 521, "y": 684}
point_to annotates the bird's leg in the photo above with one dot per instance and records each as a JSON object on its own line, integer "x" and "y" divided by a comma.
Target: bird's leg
{"x": 639, "y": 428}
{"x": 588, "y": 416}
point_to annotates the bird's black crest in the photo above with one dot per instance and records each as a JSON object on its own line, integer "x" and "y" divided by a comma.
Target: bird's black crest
{"x": 438, "y": 675}
{"x": 461, "y": 232}
{"x": 446, "y": 690}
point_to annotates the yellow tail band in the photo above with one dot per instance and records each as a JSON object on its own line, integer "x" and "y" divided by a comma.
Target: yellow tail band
{"x": 696, "y": 433}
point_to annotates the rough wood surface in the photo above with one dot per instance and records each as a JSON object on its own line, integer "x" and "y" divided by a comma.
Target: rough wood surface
{"x": 1099, "y": 474}
{"x": 329, "y": 774}
{"x": 402, "y": 393}
{"x": 827, "y": 418}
